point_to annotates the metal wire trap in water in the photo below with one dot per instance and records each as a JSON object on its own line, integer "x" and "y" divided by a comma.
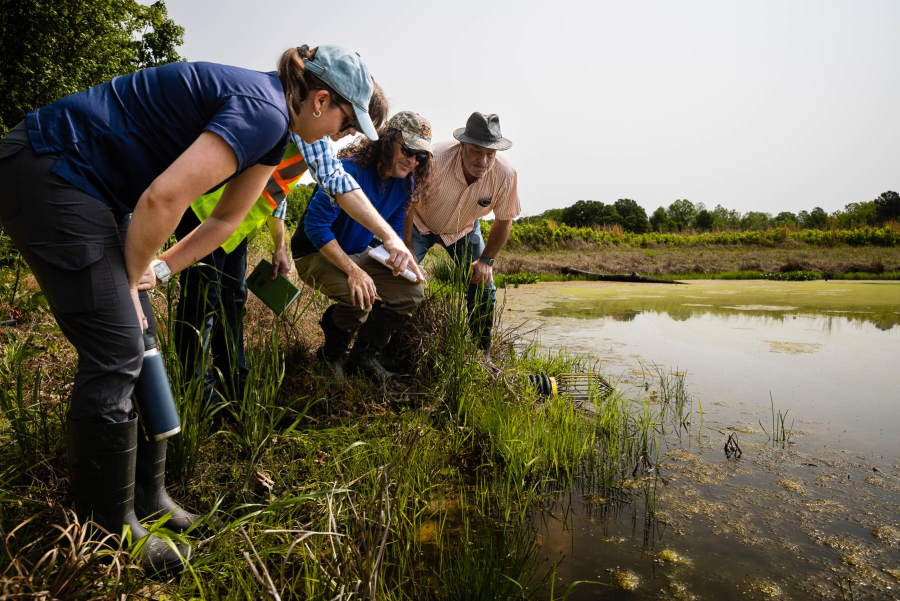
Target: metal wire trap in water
{"x": 579, "y": 386}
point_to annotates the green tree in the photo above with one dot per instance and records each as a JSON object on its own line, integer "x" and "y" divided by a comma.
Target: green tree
{"x": 548, "y": 215}
{"x": 53, "y": 48}
{"x": 588, "y": 213}
{"x": 725, "y": 219}
{"x": 660, "y": 222}
{"x": 817, "y": 219}
{"x": 755, "y": 220}
{"x": 632, "y": 216}
{"x": 856, "y": 214}
{"x": 682, "y": 213}
{"x": 785, "y": 218}
{"x": 887, "y": 206}
{"x": 704, "y": 221}
{"x": 297, "y": 201}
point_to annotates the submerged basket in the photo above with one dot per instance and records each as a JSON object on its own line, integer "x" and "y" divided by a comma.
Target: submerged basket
{"x": 579, "y": 386}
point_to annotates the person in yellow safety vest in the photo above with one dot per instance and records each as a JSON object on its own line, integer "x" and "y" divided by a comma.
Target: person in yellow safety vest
{"x": 210, "y": 311}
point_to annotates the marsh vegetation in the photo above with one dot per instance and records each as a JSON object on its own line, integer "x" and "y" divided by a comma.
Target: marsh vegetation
{"x": 424, "y": 488}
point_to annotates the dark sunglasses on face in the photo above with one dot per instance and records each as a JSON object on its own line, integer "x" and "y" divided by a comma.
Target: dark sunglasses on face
{"x": 421, "y": 157}
{"x": 348, "y": 123}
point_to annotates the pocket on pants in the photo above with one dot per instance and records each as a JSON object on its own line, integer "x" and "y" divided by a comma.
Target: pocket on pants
{"x": 10, "y": 206}
{"x": 76, "y": 277}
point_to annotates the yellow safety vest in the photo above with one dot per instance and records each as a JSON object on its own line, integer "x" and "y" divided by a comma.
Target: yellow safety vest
{"x": 285, "y": 176}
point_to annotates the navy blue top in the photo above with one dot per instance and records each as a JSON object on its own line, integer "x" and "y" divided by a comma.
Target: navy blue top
{"x": 324, "y": 222}
{"x": 116, "y": 138}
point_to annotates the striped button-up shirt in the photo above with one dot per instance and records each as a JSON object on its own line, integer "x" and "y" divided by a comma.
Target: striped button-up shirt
{"x": 453, "y": 205}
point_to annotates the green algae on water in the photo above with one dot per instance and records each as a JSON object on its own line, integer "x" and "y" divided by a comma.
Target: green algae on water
{"x": 669, "y": 556}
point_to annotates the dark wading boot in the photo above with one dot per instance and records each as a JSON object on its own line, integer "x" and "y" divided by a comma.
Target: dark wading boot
{"x": 151, "y": 501}
{"x": 102, "y": 471}
{"x": 373, "y": 335}
{"x": 337, "y": 341}
{"x": 481, "y": 320}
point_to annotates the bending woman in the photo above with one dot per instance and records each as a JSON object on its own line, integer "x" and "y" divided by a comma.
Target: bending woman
{"x": 147, "y": 144}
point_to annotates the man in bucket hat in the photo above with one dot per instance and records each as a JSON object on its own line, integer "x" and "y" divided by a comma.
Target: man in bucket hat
{"x": 471, "y": 181}
{"x": 330, "y": 249}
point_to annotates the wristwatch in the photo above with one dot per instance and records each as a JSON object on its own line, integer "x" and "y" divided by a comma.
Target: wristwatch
{"x": 162, "y": 271}
{"x": 486, "y": 260}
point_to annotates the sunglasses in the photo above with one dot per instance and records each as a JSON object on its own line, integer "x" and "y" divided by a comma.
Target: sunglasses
{"x": 348, "y": 123}
{"x": 421, "y": 157}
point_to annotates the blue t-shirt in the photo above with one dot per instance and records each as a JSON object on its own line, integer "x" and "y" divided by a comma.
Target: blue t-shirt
{"x": 116, "y": 138}
{"x": 324, "y": 222}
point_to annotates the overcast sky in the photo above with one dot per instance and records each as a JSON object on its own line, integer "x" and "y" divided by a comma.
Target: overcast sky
{"x": 764, "y": 106}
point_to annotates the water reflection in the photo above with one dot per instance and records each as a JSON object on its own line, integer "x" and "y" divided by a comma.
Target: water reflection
{"x": 875, "y": 304}
{"x": 784, "y": 518}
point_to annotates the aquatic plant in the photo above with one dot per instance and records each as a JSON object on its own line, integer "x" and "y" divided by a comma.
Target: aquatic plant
{"x": 778, "y": 433}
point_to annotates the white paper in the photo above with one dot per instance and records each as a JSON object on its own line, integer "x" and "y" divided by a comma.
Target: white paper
{"x": 381, "y": 255}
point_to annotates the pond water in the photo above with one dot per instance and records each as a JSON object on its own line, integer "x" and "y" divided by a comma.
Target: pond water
{"x": 818, "y": 517}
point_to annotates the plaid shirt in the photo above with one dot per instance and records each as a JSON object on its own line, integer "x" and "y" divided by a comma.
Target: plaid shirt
{"x": 325, "y": 169}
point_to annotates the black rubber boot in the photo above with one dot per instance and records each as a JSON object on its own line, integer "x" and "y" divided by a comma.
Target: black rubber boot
{"x": 373, "y": 335}
{"x": 151, "y": 501}
{"x": 337, "y": 341}
{"x": 101, "y": 472}
{"x": 481, "y": 319}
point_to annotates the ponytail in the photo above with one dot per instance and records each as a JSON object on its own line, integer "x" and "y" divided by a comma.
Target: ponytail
{"x": 293, "y": 76}
{"x": 297, "y": 82}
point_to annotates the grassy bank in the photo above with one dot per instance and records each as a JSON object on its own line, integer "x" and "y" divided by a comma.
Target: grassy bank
{"x": 421, "y": 488}
{"x": 837, "y": 262}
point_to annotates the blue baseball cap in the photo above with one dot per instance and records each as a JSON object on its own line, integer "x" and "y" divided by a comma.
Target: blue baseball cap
{"x": 347, "y": 74}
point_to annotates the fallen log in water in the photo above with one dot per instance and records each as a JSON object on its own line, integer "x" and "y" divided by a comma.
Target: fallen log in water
{"x": 621, "y": 277}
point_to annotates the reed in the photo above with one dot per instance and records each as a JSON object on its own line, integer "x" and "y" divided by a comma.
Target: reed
{"x": 419, "y": 489}
{"x": 778, "y": 433}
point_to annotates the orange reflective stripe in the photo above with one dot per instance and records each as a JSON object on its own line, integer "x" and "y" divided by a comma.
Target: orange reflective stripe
{"x": 292, "y": 168}
{"x": 270, "y": 200}
{"x": 285, "y": 188}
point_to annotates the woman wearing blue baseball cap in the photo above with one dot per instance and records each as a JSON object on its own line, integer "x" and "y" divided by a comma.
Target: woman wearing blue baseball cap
{"x": 93, "y": 185}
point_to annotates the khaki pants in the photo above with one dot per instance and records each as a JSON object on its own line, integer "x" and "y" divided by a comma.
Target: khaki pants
{"x": 397, "y": 294}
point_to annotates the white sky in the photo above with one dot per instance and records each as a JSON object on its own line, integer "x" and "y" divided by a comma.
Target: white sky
{"x": 759, "y": 106}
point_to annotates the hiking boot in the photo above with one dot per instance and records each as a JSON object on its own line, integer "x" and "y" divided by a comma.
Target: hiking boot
{"x": 373, "y": 335}
{"x": 102, "y": 463}
{"x": 337, "y": 341}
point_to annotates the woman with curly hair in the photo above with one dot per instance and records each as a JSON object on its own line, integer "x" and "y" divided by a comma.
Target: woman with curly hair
{"x": 330, "y": 249}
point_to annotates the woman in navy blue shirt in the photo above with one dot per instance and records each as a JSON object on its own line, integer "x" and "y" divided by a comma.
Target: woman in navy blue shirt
{"x": 94, "y": 184}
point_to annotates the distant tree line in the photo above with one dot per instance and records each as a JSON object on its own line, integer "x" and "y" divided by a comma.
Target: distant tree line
{"x": 686, "y": 216}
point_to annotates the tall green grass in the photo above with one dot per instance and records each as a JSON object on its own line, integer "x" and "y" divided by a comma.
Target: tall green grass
{"x": 429, "y": 498}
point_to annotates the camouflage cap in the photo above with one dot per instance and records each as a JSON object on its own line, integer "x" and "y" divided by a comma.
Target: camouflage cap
{"x": 415, "y": 129}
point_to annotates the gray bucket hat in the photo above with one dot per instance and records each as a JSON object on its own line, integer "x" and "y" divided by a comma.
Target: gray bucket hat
{"x": 347, "y": 74}
{"x": 415, "y": 129}
{"x": 483, "y": 130}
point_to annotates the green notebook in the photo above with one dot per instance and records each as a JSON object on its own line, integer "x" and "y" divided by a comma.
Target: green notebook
{"x": 278, "y": 294}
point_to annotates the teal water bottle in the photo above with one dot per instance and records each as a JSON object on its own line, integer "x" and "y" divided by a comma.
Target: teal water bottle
{"x": 153, "y": 395}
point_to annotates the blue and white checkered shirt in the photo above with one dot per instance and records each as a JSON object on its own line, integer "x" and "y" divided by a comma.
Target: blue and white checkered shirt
{"x": 325, "y": 169}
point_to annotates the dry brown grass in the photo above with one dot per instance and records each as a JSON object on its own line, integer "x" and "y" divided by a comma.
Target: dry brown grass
{"x": 64, "y": 559}
{"x": 713, "y": 259}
